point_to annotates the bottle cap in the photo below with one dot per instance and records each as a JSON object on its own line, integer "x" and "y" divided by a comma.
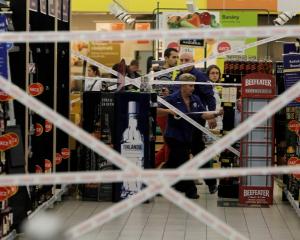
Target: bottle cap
{"x": 133, "y": 107}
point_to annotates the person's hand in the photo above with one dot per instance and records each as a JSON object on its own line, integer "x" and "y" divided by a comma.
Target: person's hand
{"x": 212, "y": 123}
{"x": 171, "y": 112}
{"x": 221, "y": 112}
{"x": 165, "y": 92}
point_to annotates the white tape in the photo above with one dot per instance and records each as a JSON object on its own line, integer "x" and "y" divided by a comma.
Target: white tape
{"x": 199, "y": 160}
{"x": 159, "y": 82}
{"x": 135, "y": 82}
{"x": 214, "y": 56}
{"x": 80, "y": 78}
{"x": 146, "y": 175}
{"x": 194, "y": 123}
{"x": 203, "y": 33}
{"x": 93, "y": 144}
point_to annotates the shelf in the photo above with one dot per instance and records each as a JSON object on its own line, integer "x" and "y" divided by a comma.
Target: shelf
{"x": 11, "y": 236}
{"x": 3, "y": 4}
{"x": 56, "y": 197}
{"x": 295, "y": 204}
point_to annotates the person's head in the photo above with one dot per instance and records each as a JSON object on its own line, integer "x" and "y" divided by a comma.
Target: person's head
{"x": 187, "y": 89}
{"x": 214, "y": 73}
{"x": 186, "y": 58}
{"x": 171, "y": 57}
{"x": 134, "y": 66}
{"x": 93, "y": 71}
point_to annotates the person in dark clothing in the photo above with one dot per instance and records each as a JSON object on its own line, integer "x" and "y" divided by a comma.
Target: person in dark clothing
{"x": 179, "y": 133}
{"x": 206, "y": 95}
{"x": 171, "y": 59}
{"x": 132, "y": 69}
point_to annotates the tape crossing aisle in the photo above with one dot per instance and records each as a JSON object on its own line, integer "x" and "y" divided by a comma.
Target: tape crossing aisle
{"x": 204, "y": 33}
{"x": 103, "y": 150}
{"x": 118, "y": 176}
{"x": 195, "y": 163}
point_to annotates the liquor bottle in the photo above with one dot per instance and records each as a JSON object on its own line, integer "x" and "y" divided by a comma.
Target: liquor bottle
{"x": 106, "y": 132}
{"x": 226, "y": 67}
{"x": 132, "y": 147}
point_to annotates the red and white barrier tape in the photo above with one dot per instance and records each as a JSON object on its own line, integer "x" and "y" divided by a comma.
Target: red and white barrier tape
{"x": 214, "y": 56}
{"x": 218, "y": 225}
{"x": 119, "y": 176}
{"x": 102, "y": 150}
{"x": 203, "y": 33}
{"x": 199, "y": 160}
{"x": 158, "y": 82}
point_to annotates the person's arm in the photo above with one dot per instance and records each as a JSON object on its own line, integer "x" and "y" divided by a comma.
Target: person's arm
{"x": 163, "y": 112}
{"x": 208, "y": 116}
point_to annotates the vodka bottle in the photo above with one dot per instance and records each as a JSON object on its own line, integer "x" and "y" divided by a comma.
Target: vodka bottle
{"x": 132, "y": 147}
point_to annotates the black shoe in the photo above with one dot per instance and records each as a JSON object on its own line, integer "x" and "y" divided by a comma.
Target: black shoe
{"x": 213, "y": 189}
{"x": 192, "y": 196}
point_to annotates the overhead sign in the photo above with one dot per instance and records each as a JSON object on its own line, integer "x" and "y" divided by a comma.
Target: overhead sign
{"x": 291, "y": 63}
{"x": 105, "y": 53}
{"x": 142, "y": 27}
{"x": 192, "y": 42}
{"x": 243, "y": 4}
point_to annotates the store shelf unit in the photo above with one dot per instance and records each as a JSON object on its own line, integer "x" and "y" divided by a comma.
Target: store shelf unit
{"x": 293, "y": 202}
{"x": 49, "y": 204}
{"x": 3, "y": 4}
{"x": 11, "y": 236}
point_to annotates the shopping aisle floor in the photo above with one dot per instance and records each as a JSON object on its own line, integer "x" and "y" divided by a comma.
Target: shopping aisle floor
{"x": 163, "y": 220}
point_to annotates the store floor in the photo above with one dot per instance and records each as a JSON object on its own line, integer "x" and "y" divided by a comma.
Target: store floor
{"x": 163, "y": 220}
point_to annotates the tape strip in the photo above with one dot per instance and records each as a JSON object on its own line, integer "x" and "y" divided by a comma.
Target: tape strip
{"x": 194, "y": 123}
{"x": 145, "y": 175}
{"x": 199, "y": 160}
{"x": 93, "y": 144}
{"x": 157, "y": 82}
{"x": 203, "y": 33}
{"x": 214, "y": 56}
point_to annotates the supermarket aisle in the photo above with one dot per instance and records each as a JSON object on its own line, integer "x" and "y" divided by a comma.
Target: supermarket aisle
{"x": 162, "y": 220}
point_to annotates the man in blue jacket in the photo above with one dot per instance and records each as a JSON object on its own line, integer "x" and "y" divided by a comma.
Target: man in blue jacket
{"x": 206, "y": 95}
{"x": 179, "y": 132}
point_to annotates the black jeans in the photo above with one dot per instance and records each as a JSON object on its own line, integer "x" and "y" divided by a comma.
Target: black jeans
{"x": 198, "y": 146}
{"x": 179, "y": 154}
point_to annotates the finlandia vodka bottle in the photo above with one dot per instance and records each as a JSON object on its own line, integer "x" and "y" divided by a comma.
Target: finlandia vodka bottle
{"x": 132, "y": 147}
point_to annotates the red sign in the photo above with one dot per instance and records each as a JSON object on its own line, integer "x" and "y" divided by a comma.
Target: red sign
{"x": 4, "y": 142}
{"x": 58, "y": 158}
{"x": 13, "y": 139}
{"x": 223, "y": 47}
{"x": 4, "y": 193}
{"x": 174, "y": 45}
{"x": 38, "y": 129}
{"x": 35, "y": 89}
{"x": 293, "y": 126}
{"x": 4, "y": 97}
{"x": 258, "y": 85}
{"x": 8, "y": 141}
{"x": 48, "y": 126}
{"x": 292, "y": 161}
{"x": 38, "y": 169}
{"x": 256, "y": 195}
{"x": 142, "y": 27}
{"x": 65, "y": 153}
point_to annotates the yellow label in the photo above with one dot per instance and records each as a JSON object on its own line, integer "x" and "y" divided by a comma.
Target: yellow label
{"x": 130, "y": 5}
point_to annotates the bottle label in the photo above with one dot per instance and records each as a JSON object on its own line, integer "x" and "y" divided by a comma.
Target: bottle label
{"x": 135, "y": 154}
